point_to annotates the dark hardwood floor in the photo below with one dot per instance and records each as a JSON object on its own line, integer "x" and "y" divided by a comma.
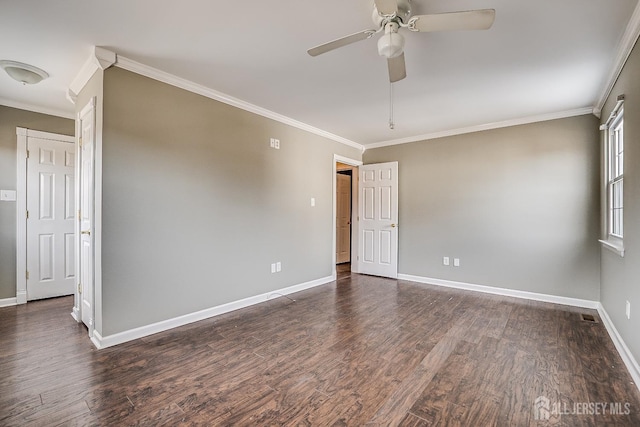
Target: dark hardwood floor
{"x": 359, "y": 351}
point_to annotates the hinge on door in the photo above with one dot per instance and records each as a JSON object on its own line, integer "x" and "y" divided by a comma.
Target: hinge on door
{"x": 79, "y": 288}
{"x": 26, "y": 275}
{"x": 80, "y": 141}
{"x": 27, "y": 154}
{"x": 27, "y": 214}
{"x": 79, "y": 216}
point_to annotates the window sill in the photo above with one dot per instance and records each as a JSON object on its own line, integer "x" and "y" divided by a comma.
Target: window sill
{"x": 617, "y": 248}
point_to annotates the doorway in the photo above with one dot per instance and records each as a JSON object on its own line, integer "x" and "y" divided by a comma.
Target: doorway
{"x": 343, "y": 214}
{"x": 45, "y": 245}
{"x": 345, "y": 208}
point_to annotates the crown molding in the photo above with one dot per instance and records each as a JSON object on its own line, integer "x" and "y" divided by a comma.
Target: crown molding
{"x": 164, "y": 77}
{"x": 625, "y": 46}
{"x": 37, "y": 109}
{"x": 483, "y": 127}
{"x": 100, "y": 59}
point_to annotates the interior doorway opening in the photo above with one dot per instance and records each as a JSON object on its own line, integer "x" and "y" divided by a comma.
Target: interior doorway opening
{"x": 343, "y": 214}
{"x": 345, "y": 208}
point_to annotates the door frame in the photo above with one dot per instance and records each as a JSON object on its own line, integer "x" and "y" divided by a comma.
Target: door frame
{"x": 23, "y": 134}
{"x": 96, "y": 214}
{"x": 354, "y": 213}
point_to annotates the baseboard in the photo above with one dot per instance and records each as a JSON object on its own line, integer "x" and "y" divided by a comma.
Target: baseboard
{"x": 623, "y": 350}
{"x": 75, "y": 313}
{"x": 7, "y": 302}
{"x": 121, "y": 337}
{"x": 21, "y": 297}
{"x": 576, "y": 302}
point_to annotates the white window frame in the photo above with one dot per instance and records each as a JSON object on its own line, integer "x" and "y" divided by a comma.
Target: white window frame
{"x": 614, "y": 179}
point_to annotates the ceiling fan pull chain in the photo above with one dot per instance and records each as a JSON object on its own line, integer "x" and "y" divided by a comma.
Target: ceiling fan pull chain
{"x": 391, "y": 123}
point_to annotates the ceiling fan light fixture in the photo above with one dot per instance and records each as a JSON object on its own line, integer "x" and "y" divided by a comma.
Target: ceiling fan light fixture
{"x": 23, "y": 73}
{"x": 391, "y": 45}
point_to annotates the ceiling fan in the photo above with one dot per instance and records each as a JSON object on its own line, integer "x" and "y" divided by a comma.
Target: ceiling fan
{"x": 391, "y": 15}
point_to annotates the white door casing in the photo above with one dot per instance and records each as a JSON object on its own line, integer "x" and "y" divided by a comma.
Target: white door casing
{"x": 84, "y": 307}
{"x": 50, "y": 218}
{"x": 378, "y": 225}
{"x": 343, "y": 218}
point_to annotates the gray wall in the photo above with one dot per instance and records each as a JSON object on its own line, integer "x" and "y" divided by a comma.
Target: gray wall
{"x": 519, "y": 206}
{"x": 10, "y": 118}
{"x": 196, "y": 206}
{"x": 620, "y": 280}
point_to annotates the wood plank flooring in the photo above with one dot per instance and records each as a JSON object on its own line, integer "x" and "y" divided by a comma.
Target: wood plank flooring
{"x": 359, "y": 351}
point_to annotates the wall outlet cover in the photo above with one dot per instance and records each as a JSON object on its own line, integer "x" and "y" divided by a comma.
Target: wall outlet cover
{"x": 8, "y": 195}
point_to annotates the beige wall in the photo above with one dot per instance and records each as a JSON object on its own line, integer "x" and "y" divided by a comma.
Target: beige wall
{"x": 10, "y": 118}
{"x": 621, "y": 276}
{"x": 519, "y": 206}
{"x": 196, "y": 206}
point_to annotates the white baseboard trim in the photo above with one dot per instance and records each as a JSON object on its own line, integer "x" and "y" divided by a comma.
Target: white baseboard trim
{"x": 576, "y": 302}
{"x": 121, "y": 337}
{"x": 21, "y": 297}
{"x": 623, "y": 350}
{"x": 75, "y": 314}
{"x": 7, "y": 302}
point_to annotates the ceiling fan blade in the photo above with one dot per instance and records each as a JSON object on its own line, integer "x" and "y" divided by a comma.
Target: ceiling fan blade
{"x": 454, "y": 21}
{"x": 386, "y": 7}
{"x": 397, "y": 69}
{"x": 327, "y": 47}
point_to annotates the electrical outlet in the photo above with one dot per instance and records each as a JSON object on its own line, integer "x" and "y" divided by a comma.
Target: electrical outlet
{"x": 445, "y": 260}
{"x": 274, "y": 143}
{"x": 456, "y": 262}
{"x": 273, "y": 267}
{"x": 628, "y": 310}
{"x": 278, "y": 266}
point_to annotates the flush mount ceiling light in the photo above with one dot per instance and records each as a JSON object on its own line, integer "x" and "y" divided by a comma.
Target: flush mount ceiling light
{"x": 23, "y": 73}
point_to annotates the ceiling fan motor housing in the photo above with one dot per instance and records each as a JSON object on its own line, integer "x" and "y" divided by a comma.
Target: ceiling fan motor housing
{"x": 403, "y": 14}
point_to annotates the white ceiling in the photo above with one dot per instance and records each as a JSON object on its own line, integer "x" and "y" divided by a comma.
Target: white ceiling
{"x": 540, "y": 57}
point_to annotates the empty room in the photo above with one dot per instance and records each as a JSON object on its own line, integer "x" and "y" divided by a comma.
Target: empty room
{"x": 373, "y": 212}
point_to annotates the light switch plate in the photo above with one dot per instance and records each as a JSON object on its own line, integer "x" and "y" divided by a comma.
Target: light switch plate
{"x": 456, "y": 262}
{"x": 8, "y": 195}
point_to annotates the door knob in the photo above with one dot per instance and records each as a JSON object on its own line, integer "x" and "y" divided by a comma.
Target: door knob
{"x": 86, "y": 232}
{"x": 393, "y": 226}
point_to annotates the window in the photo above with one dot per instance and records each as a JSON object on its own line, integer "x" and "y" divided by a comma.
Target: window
{"x": 616, "y": 175}
{"x": 614, "y": 178}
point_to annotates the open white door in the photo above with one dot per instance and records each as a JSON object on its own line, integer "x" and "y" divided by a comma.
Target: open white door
{"x": 50, "y": 215}
{"x": 378, "y": 225}
{"x": 86, "y": 215}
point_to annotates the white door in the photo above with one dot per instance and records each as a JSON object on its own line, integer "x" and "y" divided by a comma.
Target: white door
{"x": 343, "y": 218}
{"x": 85, "y": 202}
{"x": 378, "y": 226}
{"x": 50, "y": 218}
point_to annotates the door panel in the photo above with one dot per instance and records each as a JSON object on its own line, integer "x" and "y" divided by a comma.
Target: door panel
{"x": 378, "y": 189}
{"x": 49, "y": 223}
{"x": 85, "y": 201}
